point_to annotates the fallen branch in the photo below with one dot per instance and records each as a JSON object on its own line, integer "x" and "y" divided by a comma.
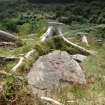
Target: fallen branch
{"x": 22, "y": 59}
{"x": 51, "y": 100}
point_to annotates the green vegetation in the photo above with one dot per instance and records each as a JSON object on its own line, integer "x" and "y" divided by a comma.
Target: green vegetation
{"x": 28, "y": 20}
{"x": 16, "y": 90}
{"x": 26, "y": 16}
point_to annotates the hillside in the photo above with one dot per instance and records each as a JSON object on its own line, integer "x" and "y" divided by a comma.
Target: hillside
{"x": 27, "y": 21}
{"x": 13, "y": 14}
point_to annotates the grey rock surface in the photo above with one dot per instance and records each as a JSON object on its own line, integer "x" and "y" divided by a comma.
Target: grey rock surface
{"x": 57, "y": 67}
{"x": 79, "y": 57}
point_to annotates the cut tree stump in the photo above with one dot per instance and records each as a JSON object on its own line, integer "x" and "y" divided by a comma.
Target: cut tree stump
{"x": 56, "y": 28}
{"x": 84, "y": 38}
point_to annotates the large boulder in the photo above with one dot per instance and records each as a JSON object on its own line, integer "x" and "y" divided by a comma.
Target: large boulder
{"x": 54, "y": 69}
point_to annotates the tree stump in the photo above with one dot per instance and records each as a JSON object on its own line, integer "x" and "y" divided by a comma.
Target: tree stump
{"x": 84, "y": 38}
{"x": 54, "y": 28}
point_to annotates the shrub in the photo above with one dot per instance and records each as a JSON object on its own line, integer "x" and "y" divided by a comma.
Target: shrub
{"x": 10, "y": 24}
{"x": 24, "y": 29}
{"x": 99, "y": 31}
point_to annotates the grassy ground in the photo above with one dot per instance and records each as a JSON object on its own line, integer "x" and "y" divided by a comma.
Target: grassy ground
{"x": 15, "y": 90}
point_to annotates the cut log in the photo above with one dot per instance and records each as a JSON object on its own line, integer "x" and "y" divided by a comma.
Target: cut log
{"x": 57, "y": 28}
{"x": 8, "y": 58}
{"x": 21, "y": 60}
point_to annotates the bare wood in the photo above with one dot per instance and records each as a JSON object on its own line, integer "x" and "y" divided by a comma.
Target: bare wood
{"x": 57, "y": 27}
{"x": 78, "y": 47}
{"x": 21, "y": 60}
{"x": 51, "y": 100}
{"x": 18, "y": 64}
{"x": 82, "y": 49}
{"x": 29, "y": 53}
{"x": 7, "y": 36}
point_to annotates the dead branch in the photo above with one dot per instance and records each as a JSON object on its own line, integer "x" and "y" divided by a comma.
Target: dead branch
{"x": 51, "y": 100}
{"x": 7, "y": 36}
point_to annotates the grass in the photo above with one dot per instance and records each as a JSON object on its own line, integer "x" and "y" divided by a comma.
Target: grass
{"x": 93, "y": 93}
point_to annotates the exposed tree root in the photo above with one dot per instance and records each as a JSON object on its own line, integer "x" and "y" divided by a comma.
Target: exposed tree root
{"x": 51, "y": 100}
{"x": 82, "y": 49}
{"x": 57, "y": 27}
{"x": 21, "y": 60}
